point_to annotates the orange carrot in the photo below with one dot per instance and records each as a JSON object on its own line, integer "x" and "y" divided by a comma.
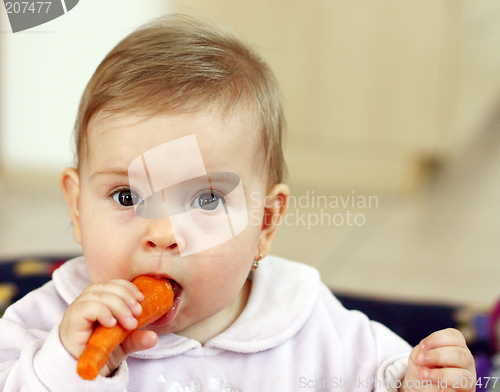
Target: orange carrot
{"x": 158, "y": 300}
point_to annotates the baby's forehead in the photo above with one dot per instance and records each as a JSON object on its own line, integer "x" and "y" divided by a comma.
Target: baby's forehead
{"x": 223, "y": 141}
{"x": 105, "y": 121}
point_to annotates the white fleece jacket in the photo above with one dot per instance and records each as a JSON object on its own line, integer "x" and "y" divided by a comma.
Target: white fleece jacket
{"x": 293, "y": 335}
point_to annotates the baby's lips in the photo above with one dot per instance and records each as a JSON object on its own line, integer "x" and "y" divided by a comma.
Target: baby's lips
{"x": 176, "y": 287}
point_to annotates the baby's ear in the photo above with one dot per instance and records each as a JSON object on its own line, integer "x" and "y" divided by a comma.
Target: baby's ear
{"x": 70, "y": 185}
{"x": 274, "y": 212}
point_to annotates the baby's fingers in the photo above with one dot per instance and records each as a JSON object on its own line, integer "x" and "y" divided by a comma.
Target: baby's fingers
{"x": 447, "y": 356}
{"x": 98, "y": 312}
{"x": 94, "y": 305}
{"x": 445, "y": 337}
{"x": 130, "y": 287}
{"x": 450, "y": 378}
{"x": 121, "y": 289}
{"x": 88, "y": 312}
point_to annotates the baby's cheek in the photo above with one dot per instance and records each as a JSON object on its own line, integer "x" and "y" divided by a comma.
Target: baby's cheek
{"x": 108, "y": 248}
{"x": 202, "y": 222}
{"x": 216, "y": 280}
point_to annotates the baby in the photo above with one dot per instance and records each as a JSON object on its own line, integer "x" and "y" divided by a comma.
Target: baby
{"x": 178, "y": 126}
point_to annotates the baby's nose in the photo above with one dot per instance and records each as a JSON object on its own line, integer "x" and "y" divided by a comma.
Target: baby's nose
{"x": 160, "y": 236}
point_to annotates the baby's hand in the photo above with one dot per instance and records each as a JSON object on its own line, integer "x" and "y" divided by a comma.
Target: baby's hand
{"x": 444, "y": 359}
{"x": 107, "y": 303}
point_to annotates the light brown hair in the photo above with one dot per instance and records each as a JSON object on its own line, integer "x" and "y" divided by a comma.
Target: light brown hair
{"x": 177, "y": 63}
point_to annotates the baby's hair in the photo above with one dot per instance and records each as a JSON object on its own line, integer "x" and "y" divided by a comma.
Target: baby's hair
{"x": 178, "y": 63}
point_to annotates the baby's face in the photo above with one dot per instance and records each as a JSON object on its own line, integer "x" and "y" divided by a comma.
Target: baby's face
{"x": 119, "y": 243}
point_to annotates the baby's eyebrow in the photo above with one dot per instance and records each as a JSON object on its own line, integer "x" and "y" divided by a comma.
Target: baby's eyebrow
{"x": 116, "y": 172}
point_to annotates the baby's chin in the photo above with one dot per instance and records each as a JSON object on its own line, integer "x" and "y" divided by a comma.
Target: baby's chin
{"x": 201, "y": 327}
{"x": 175, "y": 327}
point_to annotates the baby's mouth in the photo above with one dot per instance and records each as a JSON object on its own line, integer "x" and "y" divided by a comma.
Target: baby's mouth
{"x": 170, "y": 315}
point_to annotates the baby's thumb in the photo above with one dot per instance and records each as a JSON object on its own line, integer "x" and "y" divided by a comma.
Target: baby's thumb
{"x": 138, "y": 340}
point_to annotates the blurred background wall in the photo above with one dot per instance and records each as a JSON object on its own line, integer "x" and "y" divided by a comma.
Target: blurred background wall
{"x": 398, "y": 99}
{"x": 377, "y": 92}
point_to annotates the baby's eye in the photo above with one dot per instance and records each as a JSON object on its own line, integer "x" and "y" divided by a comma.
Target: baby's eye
{"x": 208, "y": 200}
{"x": 127, "y": 197}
